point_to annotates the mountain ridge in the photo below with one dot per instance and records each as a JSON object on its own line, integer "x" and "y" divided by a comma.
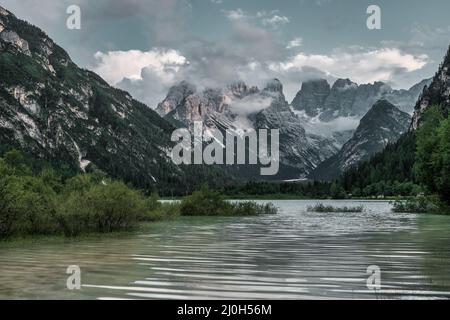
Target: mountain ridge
{"x": 59, "y": 112}
{"x": 346, "y": 98}
{"x": 383, "y": 124}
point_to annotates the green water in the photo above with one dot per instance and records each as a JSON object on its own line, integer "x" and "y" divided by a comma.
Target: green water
{"x": 293, "y": 255}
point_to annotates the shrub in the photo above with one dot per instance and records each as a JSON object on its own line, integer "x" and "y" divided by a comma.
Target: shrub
{"x": 210, "y": 203}
{"x": 163, "y": 211}
{"x": 323, "y": 208}
{"x": 102, "y": 208}
{"x": 27, "y": 206}
{"x": 203, "y": 203}
{"x": 250, "y": 208}
{"x": 417, "y": 205}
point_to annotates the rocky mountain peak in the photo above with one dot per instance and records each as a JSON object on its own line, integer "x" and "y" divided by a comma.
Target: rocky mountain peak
{"x": 383, "y": 109}
{"x": 4, "y": 12}
{"x": 344, "y": 84}
{"x": 274, "y": 90}
{"x": 240, "y": 89}
{"x": 383, "y": 124}
{"x": 176, "y": 95}
{"x": 274, "y": 86}
{"x": 348, "y": 99}
{"x": 437, "y": 93}
{"x": 319, "y": 85}
{"x": 312, "y": 96}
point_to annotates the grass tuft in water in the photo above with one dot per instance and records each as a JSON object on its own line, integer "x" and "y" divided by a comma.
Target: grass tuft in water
{"x": 320, "y": 207}
{"x": 430, "y": 205}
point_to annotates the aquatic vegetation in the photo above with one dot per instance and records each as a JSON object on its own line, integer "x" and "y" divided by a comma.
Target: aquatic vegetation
{"x": 207, "y": 202}
{"x": 320, "y": 207}
{"x": 419, "y": 205}
{"x": 43, "y": 202}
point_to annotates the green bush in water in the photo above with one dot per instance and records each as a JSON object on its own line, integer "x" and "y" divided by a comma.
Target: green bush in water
{"x": 102, "y": 208}
{"x": 27, "y": 205}
{"x": 321, "y": 208}
{"x": 417, "y": 205}
{"x": 210, "y": 203}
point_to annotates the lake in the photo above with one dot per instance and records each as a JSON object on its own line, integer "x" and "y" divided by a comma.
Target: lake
{"x": 293, "y": 255}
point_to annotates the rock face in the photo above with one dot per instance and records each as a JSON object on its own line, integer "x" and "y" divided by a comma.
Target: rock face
{"x": 297, "y": 149}
{"x": 175, "y": 97}
{"x": 383, "y": 124}
{"x": 56, "y": 111}
{"x": 348, "y": 99}
{"x": 14, "y": 39}
{"x": 437, "y": 93}
{"x": 241, "y": 107}
{"x": 312, "y": 96}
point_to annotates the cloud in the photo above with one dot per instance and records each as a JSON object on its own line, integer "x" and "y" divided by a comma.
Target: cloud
{"x": 423, "y": 37}
{"x": 250, "y": 105}
{"x": 295, "y": 43}
{"x": 147, "y": 75}
{"x": 252, "y": 49}
{"x": 114, "y": 66}
{"x": 275, "y": 21}
{"x": 356, "y": 63}
{"x": 267, "y": 19}
{"x": 237, "y": 14}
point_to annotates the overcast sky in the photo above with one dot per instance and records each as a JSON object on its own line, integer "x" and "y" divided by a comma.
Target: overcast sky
{"x": 145, "y": 46}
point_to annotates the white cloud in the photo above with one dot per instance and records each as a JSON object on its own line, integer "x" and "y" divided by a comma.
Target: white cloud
{"x": 295, "y": 43}
{"x": 275, "y": 21}
{"x": 357, "y": 64}
{"x": 115, "y": 66}
{"x": 250, "y": 104}
{"x": 267, "y": 19}
{"x": 237, "y": 14}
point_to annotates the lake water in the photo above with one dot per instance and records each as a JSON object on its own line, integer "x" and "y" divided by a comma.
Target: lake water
{"x": 293, "y": 255}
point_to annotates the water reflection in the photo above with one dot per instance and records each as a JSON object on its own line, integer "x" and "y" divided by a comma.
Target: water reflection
{"x": 293, "y": 255}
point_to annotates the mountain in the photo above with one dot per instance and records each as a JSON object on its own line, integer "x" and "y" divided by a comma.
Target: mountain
{"x": 437, "y": 93}
{"x": 298, "y": 150}
{"x": 348, "y": 99}
{"x": 54, "y": 110}
{"x": 383, "y": 124}
{"x": 394, "y": 165}
{"x": 240, "y": 107}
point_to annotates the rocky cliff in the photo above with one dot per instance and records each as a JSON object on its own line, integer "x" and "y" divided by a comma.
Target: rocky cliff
{"x": 437, "y": 93}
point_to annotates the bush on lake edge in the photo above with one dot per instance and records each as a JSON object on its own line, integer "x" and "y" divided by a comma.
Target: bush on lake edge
{"x": 44, "y": 203}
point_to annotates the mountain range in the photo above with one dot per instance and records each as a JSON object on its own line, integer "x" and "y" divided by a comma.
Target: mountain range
{"x": 348, "y": 99}
{"x": 383, "y": 124}
{"x": 310, "y": 135}
{"x": 64, "y": 114}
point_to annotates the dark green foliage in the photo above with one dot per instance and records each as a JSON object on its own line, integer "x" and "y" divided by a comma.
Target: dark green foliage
{"x": 432, "y": 166}
{"x": 101, "y": 208}
{"x": 211, "y": 203}
{"x": 416, "y": 205}
{"x": 203, "y": 203}
{"x": 250, "y": 208}
{"x": 385, "y": 171}
{"x": 26, "y": 202}
{"x": 44, "y": 202}
{"x": 321, "y": 208}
